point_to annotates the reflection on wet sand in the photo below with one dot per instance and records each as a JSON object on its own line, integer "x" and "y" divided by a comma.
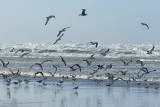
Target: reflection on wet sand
{"x": 86, "y": 96}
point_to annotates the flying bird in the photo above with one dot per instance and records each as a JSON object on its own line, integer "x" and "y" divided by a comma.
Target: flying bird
{"x": 58, "y": 39}
{"x": 63, "y": 30}
{"x": 126, "y": 63}
{"x": 40, "y": 65}
{"x": 94, "y": 43}
{"x": 3, "y": 63}
{"x": 24, "y": 55}
{"x": 63, "y": 60}
{"x": 83, "y": 13}
{"x": 105, "y": 53}
{"x": 38, "y": 73}
{"x": 144, "y": 24}
{"x": 48, "y": 18}
{"x": 150, "y": 51}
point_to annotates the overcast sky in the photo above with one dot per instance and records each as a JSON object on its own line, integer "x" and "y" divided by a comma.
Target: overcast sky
{"x": 107, "y": 22}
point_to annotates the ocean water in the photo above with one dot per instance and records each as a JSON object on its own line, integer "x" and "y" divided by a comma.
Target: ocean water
{"x": 90, "y": 93}
{"x": 75, "y": 54}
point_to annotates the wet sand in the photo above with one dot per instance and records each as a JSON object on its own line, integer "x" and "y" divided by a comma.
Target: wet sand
{"x": 89, "y": 94}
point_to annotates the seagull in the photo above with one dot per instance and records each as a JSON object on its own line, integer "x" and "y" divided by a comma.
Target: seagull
{"x": 75, "y": 88}
{"x": 88, "y": 62}
{"x": 38, "y": 73}
{"x": 46, "y": 61}
{"x": 12, "y": 50}
{"x": 49, "y": 17}
{"x": 63, "y": 60}
{"x": 4, "y": 64}
{"x": 83, "y": 13}
{"x": 150, "y": 51}
{"x": 58, "y": 39}
{"x": 21, "y": 50}
{"x": 40, "y": 65}
{"x": 24, "y": 54}
{"x": 108, "y": 66}
{"x": 105, "y": 53}
{"x": 145, "y": 25}
{"x": 94, "y": 43}
{"x": 73, "y": 69}
{"x": 63, "y": 30}
{"x": 126, "y": 63}
{"x": 139, "y": 61}
{"x": 92, "y": 56}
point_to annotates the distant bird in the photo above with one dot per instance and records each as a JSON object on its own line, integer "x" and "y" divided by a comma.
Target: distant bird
{"x": 63, "y": 60}
{"x": 46, "y": 61}
{"x": 55, "y": 68}
{"x": 48, "y": 18}
{"x": 75, "y": 88}
{"x": 39, "y": 81}
{"x": 4, "y": 64}
{"x": 126, "y": 63}
{"x": 21, "y": 50}
{"x": 123, "y": 72}
{"x": 12, "y": 50}
{"x": 73, "y": 67}
{"x": 145, "y": 25}
{"x": 88, "y": 62}
{"x": 24, "y": 54}
{"x": 38, "y": 73}
{"x": 94, "y": 43}
{"x": 108, "y": 66}
{"x": 150, "y": 51}
{"x": 139, "y": 61}
{"x": 63, "y": 30}
{"x": 100, "y": 67}
{"x": 105, "y": 53}
{"x": 26, "y": 81}
{"x": 92, "y": 56}
{"x": 40, "y": 65}
{"x": 83, "y": 13}
{"x": 58, "y": 39}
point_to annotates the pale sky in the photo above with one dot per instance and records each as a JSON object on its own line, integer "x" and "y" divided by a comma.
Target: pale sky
{"x": 107, "y": 22}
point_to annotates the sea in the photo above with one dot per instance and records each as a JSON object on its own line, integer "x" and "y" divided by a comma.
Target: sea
{"x": 93, "y": 87}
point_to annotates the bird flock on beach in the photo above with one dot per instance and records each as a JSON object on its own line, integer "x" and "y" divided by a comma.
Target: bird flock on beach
{"x": 111, "y": 78}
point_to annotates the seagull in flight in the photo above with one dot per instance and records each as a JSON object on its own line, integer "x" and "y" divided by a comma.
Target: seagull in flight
{"x": 105, "y": 53}
{"x": 38, "y": 73}
{"x": 63, "y": 60}
{"x": 150, "y": 51}
{"x": 145, "y": 25}
{"x": 58, "y": 39}
{"x": 126, "y": 63}
{"x": 24, "y": 54}
{"x": 3, "y": 63}
{"x": 94, "y": 43}
{"x": 40, "y": 65}
{"x": 63, "y": 30}
{"x": 83, "y": 13}
{"x": 48, "y": 18}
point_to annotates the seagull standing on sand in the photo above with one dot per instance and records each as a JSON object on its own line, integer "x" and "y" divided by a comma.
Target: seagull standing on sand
{"x": 145, "y": 25}
{"x": 83, "y": 13}
{"x": 49, "y": 17}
